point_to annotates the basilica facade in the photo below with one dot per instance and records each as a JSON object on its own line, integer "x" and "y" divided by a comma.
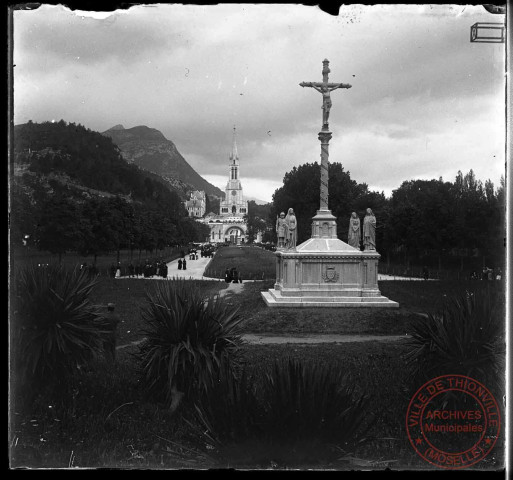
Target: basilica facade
{"x": 197, "y": 204}
{"x": 230, "y": 224}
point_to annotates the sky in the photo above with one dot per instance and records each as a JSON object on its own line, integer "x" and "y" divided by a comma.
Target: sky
{"x": 425, "y": 102}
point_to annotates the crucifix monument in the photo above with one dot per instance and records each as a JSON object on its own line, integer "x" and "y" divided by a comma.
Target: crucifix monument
{"x": 325, "y": 88}
{"x": 324, "y": 271}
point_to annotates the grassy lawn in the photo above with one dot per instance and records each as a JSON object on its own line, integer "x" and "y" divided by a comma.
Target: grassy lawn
{"x": 21, "y": 256}
{"x": 111, "y": 422}
{"x": 252, "y": 263}
{"x": 129, "y": 296}
{"x": 262, "y": 319}
{"x": 413, "y": 298}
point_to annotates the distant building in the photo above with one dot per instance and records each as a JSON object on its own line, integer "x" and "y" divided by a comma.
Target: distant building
{"x": 230, "y": 225}
{"x": 196, "y": 206}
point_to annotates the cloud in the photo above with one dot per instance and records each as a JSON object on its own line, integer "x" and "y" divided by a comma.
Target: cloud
{"x": 52, "y": 36}
{"x": 253, "y": 187}
{"x": 193, "y": 72}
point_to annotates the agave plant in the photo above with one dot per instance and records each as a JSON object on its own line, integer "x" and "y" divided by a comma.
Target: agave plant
{"x": 304, "y": 399}
{"x": 287, "y": 413}
{"x": 466, "y": 337}
{"x": 188, "y": 339}
{"x": 55, "y": 329}
{"x": 230, "y": 411}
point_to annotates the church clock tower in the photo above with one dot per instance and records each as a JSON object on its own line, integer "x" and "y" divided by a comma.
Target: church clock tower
{"x": 230, "y": 225}
{"x": 234, "y": 203}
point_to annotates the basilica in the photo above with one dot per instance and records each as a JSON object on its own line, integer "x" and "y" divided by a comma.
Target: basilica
{"x": 196, "y": 205}
{"x": 230, "y": 225}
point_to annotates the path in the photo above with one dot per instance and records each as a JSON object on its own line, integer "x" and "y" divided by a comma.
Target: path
{"x": 309, "y": 339}
{"x": 382, "y": 276}
{"x": 195, "y": 269}
{"x": 304, "y": 339}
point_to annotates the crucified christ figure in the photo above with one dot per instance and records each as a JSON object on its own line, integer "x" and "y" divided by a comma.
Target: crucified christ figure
{"x": 325, "y": 88}
{"x": 326, "y": 100}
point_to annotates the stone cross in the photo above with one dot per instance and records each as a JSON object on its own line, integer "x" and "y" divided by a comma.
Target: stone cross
{"x": 325, "y": 88}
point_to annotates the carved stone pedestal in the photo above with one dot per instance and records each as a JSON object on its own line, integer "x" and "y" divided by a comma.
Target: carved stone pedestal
{"x": 326, "y": 272}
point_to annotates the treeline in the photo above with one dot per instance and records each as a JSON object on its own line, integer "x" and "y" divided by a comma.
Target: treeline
{"x": 77, "y": 194}
{"x": 424, "y": 221}
{"x": 58, "y": 223}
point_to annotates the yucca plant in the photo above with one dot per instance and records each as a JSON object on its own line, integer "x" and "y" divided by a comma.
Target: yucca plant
{"x": 230, "y": 411}
{"x": 466, "y": 337}
{"x": 305, "y": 399}
{"x": 55, "y": 329}
{"x": 188, "y": 339}
{"x": 293, "y": 411}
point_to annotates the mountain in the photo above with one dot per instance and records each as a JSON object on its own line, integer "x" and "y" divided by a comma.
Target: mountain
{"x": 71, "y": 190}
{"x": 149, "y": 149}
{"x": 85, "y": 163}
{"x": 256, "y": 200}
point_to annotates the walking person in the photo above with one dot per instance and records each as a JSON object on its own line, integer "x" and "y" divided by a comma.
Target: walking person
{"x": 147, "y": 269}
{"x": 180, "y": 264}
{"x": 227, "y": 275}
{"x": 235, "y": 275}
{"x": 163, "y": 270}
{"x": 184, "y": 264}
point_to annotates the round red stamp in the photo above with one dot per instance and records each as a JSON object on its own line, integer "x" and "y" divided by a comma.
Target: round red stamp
{"x": 453, "y": 421}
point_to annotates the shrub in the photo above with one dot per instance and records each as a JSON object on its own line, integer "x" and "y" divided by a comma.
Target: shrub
{"x": 304, "y": 399}
{"x": 465, "y": 337}
{"x": 55, "y": 329}
{"x": 293, "y": 411}
{"x": 230, "y": 410}
{"x": 188, "y": 338}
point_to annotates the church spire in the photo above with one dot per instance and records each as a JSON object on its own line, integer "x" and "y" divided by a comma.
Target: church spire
{"x": 234, "y": 155}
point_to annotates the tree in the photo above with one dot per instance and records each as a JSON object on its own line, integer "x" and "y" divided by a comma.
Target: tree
{"x": 257, "y": 219}
{"x": 421, "y": 217}
{"x": 96, "y": 233}
{"x": 22, "y": 213}
{"x": 58, "y": 228}
{"x": 301, "y": 189}
{"x": 479, "y": 215}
